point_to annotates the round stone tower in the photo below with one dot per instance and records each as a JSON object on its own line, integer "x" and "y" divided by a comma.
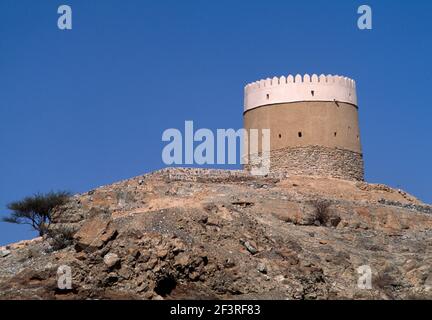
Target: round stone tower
{"x": 313, "y": 122}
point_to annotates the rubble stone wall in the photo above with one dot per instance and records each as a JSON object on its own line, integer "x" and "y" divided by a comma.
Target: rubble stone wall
{"x": 317, "y": 161}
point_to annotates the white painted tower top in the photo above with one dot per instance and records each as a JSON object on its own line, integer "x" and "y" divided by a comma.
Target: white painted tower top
{"x": 298, "y": 89}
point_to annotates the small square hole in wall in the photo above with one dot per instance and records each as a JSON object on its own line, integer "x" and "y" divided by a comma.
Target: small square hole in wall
{"x": 300, "y": 134}
{"x": 268, "y": 96}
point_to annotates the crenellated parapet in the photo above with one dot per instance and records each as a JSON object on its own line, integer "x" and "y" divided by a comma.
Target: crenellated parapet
{"x": 299, "y": 88}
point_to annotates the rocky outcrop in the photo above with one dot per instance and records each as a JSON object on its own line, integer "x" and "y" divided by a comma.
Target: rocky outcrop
{"x": 94, "y": 234}
{"x": 190, "y": 233}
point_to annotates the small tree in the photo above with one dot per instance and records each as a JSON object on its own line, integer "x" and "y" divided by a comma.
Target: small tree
{"x": 36, "y": 210}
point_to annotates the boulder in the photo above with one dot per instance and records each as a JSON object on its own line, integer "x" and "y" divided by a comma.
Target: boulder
{"x": 94, "y": 234}
{"x": 4, "y": 253}
{"x": 111, "y": 259}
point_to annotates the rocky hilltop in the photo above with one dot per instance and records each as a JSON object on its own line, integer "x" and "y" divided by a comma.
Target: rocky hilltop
{"x": 199, "y": 234}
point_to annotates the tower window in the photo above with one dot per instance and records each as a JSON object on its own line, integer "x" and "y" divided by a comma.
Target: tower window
{"x": 335, "y": 133}
{"x": 268, "y": 96}
{"x": 300, "y": 134}
{"x": 312, "y": 93}
{"x": 280, "y": 136}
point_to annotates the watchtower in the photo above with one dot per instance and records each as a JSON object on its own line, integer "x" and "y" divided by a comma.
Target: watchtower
{"x": 313, "y": 122}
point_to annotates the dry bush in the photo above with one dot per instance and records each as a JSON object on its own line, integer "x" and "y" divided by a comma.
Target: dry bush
{"x": 322, "y": 212}
{"x": 60, "y": 237}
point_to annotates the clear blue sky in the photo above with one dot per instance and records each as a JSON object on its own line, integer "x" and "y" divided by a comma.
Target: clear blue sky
{"x": 87, "y": 107}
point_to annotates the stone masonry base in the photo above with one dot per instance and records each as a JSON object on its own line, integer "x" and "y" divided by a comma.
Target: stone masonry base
{"x": 317, "y": 161}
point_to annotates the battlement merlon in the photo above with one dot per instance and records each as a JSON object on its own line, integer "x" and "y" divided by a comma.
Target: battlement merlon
{"x": 299, "y": 89}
